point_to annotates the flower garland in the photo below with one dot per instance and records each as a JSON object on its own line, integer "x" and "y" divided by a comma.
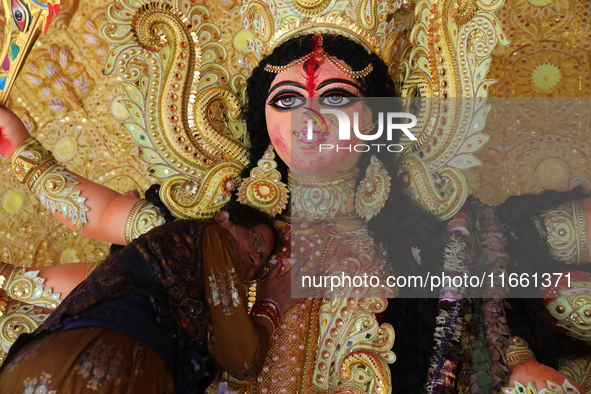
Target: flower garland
{"x": 492, "y": 241}
{"x": 448, "y": 330}
{"x": 484, "y": 322}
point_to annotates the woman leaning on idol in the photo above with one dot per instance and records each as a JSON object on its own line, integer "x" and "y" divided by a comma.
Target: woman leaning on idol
{"x": 144, "y": 319}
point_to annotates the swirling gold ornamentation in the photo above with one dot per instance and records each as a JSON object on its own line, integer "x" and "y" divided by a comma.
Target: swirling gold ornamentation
{"x": 317, "y": 198}
{"x": 310, "y": 7}
{"x": 55, "y": 190}
{"x": 18, "y": 319}
{"x": 17, "y": 285}
{"x": 463, "y": 11}
{"x": 373, "y": 190}
{"x": 144, "y": 25}
{"x": 184, "y": 105}
{"x": 572, "y": 310}
{"x": 360, "y": 367}
{"x": 359, "y": 348}
{"x": 450, "y": 59}
{"x": 27, "y": 286}
{"x": 441, "y": 194}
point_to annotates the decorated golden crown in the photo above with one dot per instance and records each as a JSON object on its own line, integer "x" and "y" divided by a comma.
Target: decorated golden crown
{"x": 370, "y": 23}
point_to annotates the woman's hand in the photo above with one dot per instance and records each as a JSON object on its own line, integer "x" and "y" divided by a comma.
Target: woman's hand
{"x": 12, "y": 132}
{"x": 278, "y": 287}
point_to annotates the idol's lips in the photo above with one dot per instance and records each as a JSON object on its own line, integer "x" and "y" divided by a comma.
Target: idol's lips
{"x": 318, "y": 137}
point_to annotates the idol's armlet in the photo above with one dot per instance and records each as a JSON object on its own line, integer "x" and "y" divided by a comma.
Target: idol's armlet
{"x": 566, "y": 230}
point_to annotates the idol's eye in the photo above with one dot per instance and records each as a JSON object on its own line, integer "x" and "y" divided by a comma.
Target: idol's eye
{"x": 336, "y": 100}
{"x": 20, "y": 16}
{"x": 286, "y": 101}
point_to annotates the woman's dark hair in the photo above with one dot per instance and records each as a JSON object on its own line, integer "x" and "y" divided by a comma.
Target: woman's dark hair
{"x": 248, "y": 217}
{"x": 400, "y": 225}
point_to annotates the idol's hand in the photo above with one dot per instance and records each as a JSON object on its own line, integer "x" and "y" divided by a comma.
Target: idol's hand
{"x": 12, "y": 132}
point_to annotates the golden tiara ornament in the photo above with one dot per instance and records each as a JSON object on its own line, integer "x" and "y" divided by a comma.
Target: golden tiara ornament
{"x": 273, "y": 22}
{"x": 319, "y": 56}
{"x": 184, "y": 104}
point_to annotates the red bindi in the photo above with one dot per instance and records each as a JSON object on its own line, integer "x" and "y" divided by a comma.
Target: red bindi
{"x": 311, "y": 66}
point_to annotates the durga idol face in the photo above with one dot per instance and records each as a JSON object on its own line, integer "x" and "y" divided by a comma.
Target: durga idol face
{"x": 305, "y": 138}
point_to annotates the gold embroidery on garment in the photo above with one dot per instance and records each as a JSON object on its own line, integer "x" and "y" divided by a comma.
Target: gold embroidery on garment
{"x": 100, "y": 363}
{"x": 566, "y": 232}
{"x": 143, "y": 217}
{"x": 41, "y": 385}
{"x": 224, "y": 290}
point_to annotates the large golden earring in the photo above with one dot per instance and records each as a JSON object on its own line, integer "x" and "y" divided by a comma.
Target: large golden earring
{"x": 373, "y": 190}
{"x": 263, "y": 189}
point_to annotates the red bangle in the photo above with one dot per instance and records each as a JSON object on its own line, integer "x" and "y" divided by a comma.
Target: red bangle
{"x": 273, "y": 325}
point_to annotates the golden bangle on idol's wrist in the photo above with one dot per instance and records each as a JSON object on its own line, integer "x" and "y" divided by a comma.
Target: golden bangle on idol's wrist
{"x": 30, "y": 160}
{"x": 49, "y": 181}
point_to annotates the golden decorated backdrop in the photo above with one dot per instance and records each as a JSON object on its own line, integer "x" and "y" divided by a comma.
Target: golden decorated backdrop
{"x": 546, "y": 145}
{"x": 74, "y": 111}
